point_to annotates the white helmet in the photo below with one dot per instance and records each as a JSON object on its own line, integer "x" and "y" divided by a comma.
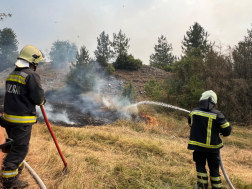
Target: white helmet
{"x": 209, "y": 94}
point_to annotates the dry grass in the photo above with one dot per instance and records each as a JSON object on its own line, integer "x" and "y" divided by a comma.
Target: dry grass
{"x": 130, "y": 155}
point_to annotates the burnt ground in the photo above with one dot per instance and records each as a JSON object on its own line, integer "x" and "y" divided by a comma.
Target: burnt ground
{"x": 81, "y": 110}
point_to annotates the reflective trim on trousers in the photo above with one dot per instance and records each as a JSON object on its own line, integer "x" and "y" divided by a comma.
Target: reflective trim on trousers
{"x": 8, "y": 174}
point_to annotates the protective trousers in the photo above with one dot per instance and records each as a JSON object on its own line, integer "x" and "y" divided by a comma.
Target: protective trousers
{"x": 13, "y": 163}
{"x": 213, "y": 161}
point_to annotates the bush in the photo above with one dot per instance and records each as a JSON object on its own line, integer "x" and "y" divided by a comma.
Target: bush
{"x": 110, "y": 69}
{"x": 154, "y": 90}
{"x": 102, "y": 61}
{"x": 127, "y": 62}
{"x": 129, "y": 92}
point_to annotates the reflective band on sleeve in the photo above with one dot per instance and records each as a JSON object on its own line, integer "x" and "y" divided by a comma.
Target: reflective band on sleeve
{"x": 204, "y": 114}
{"x": 215, "y": 178}
{"x": 202, "y": 181}
{"x": 225, "y": 125}
{"x": 16, "y": 78}
{"x": 204, "y": 145}
{"x": 8, "y": 174}
{"x": 201, "y": 174}
{"x": 19, "y": 119}
{"x": 217, "y": 185}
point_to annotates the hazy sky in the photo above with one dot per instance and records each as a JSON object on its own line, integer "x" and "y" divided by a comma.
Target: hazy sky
{"x": 40, "y": 23}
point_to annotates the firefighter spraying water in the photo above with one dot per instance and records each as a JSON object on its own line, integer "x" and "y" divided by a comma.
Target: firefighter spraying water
{"x": 204, "y": 119}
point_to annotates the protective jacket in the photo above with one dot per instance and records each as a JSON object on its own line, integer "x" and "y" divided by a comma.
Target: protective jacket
{"x": 206, "y": 125}
{"x": 23, "y": 93}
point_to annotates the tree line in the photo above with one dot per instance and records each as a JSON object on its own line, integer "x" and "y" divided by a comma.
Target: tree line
{"x": 205, "y": 66}
{"x": 202, "y": 66}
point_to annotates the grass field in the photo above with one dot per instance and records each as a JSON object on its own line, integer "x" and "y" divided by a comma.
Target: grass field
{"x": 131, "y": 155}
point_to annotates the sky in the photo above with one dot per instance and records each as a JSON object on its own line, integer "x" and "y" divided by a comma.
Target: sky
{"x": 40, "y": 23}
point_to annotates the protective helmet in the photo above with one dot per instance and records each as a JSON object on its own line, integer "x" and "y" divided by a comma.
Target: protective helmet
{"x": 209, "y": 94}
{"x": 31, "y": 54}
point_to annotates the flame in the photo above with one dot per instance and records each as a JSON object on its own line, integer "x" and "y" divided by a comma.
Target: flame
{"x": 149, "y": 120}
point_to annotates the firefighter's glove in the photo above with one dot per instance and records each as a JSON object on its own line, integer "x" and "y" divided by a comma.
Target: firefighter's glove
{"x": 6, "y": 147}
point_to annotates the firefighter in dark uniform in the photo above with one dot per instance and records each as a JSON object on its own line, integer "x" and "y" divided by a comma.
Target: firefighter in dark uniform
{"x": 23, "y": 93}
{"x": 207, "y": 124}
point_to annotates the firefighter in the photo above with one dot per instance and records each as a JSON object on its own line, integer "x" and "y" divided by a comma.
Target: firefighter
{"x": 206, "y": 125}
{"x": 23, "y": 93}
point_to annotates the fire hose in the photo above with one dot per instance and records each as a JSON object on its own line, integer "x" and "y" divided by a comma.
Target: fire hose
{"x": 34, "y": 174}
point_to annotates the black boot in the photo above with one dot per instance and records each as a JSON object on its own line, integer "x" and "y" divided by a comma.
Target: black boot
{"x": 17, "y": 184}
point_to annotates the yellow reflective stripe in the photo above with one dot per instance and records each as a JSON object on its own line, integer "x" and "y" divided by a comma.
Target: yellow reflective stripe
{"x": 225, "y": 125}
{"x": 204, "y": 145}
{"x": 21, "y": 164}
{"x": 202, "y": 181}
{"x": 201, "y": 174}
{"x": 204, "y": 114}
{"x": 19, "y": 119}
{"x": 8, "y": 174}
{"x": 16, "y": 78}
{"x": 209, "y": 130}
{"x": 217, "y": 185}
{"x": 215, "y": 178}
{"x": 42, "y": 103}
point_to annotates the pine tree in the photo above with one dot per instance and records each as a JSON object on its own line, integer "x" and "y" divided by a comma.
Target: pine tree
{"x": 104, "y": 51}
{"x": 242, "y": 55}
{"x": 162, "y": 58}
{"x": 196, "y": 38}
{"x": 120, "y": 44}
{"x": 81, "y": 74}
{"x": 8, "y": 48}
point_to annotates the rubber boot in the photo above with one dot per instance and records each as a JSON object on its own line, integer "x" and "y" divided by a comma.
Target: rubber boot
{"x": 17, "y": 184}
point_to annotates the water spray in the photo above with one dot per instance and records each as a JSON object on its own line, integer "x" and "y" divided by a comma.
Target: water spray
{"x": 134, "y": 106}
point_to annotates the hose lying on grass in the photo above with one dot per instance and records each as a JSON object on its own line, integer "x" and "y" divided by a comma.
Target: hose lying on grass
{"x": 34, "y": 174}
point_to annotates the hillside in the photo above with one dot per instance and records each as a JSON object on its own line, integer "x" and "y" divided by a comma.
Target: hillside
{"x": 126, "y": 154}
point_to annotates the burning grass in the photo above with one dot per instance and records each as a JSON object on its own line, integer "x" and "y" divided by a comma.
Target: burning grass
{"x": 131, "y": 155}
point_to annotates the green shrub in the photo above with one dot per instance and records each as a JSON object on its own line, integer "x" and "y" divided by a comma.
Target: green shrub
{"x": 110, "y": 69}
{"x": 102, "y": 61}
{"x": 129, "y": 92}
{"x": 154, "y": 90}
{"x": 127, "y": 62}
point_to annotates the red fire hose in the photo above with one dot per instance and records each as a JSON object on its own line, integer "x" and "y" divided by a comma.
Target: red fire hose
{"x": 54, "y": 139}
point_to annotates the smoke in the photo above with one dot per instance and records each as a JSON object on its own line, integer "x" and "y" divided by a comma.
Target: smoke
{"x": 102, "y": 105}
{"x": 61, "y": 116}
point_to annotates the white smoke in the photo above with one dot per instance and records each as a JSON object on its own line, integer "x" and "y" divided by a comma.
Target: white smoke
{"x": 51, "y": 116}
